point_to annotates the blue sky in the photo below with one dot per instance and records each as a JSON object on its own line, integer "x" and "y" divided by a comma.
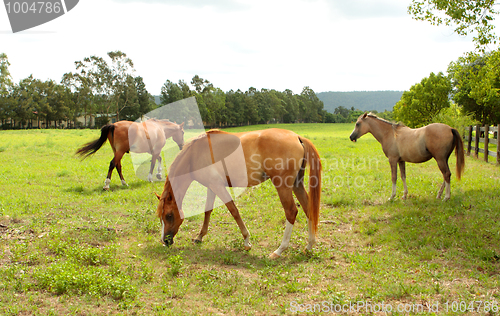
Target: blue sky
{"x": 355, "y": 45}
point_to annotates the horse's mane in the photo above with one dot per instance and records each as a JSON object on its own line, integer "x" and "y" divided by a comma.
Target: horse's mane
{"x": 186, "y": 148}
{"x": 162, "y": 121}
{"x": 180, "y": 156}
{"x": 394, "y": 125}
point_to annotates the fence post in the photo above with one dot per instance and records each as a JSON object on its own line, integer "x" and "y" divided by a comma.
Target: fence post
{"x": 476, "y": 145}
{"x": 498, "y": 144}
{"x": 469, "y": 141}
{"x": 486, "y": 142}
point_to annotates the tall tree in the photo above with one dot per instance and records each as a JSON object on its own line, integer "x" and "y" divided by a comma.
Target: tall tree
{"x": 120, "y": 81}
{"x": 476, "y": 79}
{"x": 461, "y": 73}
{"x": 424, "y": 100}
{"x": 5, "y": 87}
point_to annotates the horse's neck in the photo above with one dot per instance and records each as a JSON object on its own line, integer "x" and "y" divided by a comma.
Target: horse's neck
{"x": 382, "y": 131}
{"x": 168, "y": 130}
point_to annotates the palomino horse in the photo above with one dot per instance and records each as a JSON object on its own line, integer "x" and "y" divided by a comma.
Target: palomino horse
{"x": 402, "y": 144}
{"x": 125, "y": 136}
{"x": 276, "y": 154}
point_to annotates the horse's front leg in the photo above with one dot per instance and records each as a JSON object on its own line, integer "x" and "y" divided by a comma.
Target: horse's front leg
{"x": 394, "y": 176}
{"x": 222, "y": 193}
{"x": 209, "y": 205}
{"x": 402, "y": 168}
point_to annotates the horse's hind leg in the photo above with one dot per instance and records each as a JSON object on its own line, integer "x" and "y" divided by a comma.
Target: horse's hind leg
{"x": 153, "y": 161}
{"x": 445, "y": 170}
{"x": 286, "y": 198}
{"x": 394, "y": 177}
{"x": 402, "y": 168}
{"x": 115, "y": 163}
{"x": 159, "y": 175}
{"x": 301, "y": 194}
{"x": 209, "y": 205}
{"x": 110, "y": 172}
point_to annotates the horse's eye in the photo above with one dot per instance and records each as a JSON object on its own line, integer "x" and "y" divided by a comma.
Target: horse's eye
{"x": 357, "y": 124}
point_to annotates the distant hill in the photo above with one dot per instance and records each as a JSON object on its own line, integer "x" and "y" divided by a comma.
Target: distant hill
{"x": 157, "y": 99}
{"x": 360, "y": 100}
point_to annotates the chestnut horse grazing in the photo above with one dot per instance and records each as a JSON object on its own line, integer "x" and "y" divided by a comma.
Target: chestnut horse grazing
{"x": 125, "y": 136}
{"x": 276, "y": 154}
{"x": 402, "y": 144}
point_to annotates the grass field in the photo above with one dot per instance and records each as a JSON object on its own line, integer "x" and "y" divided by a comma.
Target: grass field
{"x": 70, "y": 248}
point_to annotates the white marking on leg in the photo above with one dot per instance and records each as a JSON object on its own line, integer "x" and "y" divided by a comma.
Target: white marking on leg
{"x": 286, "y": 239}
{"x": 150, "y": 177}
{"x": 405, "y": 192}
{"x": 448, "y": 191}
{"x": 124, "y": 183}
{"x": 393, "y": 191}
{"x": 246, "y": 242}
{"x": 312, "y": 236}
{"x": 106, "y": 183}
{"x": 162, "y": 231}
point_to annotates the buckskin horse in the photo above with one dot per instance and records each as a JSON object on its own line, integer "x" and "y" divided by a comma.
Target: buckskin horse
{"x": 276, "y": 154}
{"x": 124, "y": 136}
{"x": 402, "y": 144}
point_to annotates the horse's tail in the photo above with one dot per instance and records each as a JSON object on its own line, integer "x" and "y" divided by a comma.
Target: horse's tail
{"x": 459, "y": 152}
{"x": 312, "y": 158}
{"x": 90, "y": 148}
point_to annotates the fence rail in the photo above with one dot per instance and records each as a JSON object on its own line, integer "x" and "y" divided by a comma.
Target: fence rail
{"x": 490, "y": 137}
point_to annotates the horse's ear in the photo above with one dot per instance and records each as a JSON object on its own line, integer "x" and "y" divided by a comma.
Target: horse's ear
{"x": 182, "y": 125}
{"x": 157, "y": 195}
{"x": 364, "y": 115}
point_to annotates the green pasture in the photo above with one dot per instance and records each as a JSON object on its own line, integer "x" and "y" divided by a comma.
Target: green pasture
{"x": 70, "y": 248}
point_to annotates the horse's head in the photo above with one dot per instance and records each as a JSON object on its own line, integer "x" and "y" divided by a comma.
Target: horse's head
{"x": 170, "y": 216}
{"x": 361, "y": 127}
{"x": 178, "y": 136}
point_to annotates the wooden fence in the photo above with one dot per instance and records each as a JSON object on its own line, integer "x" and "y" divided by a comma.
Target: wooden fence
{"x": 490, "y": 136}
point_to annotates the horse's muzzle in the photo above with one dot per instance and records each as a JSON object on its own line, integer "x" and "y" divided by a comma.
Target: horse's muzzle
{"x": 353, "y": 138}
{"x": 180, "y": 147}
{"x": 169, "y": 240}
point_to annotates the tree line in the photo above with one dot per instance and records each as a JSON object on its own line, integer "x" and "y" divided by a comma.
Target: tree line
{"x": 100, "y": 89}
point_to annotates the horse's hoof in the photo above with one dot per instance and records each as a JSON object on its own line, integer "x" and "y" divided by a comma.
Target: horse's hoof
{"x": 274, "y": 256}
{"x": 158, "y": 176}
{"x": 196, "y": 241}
{"x": 247, "y": 248}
